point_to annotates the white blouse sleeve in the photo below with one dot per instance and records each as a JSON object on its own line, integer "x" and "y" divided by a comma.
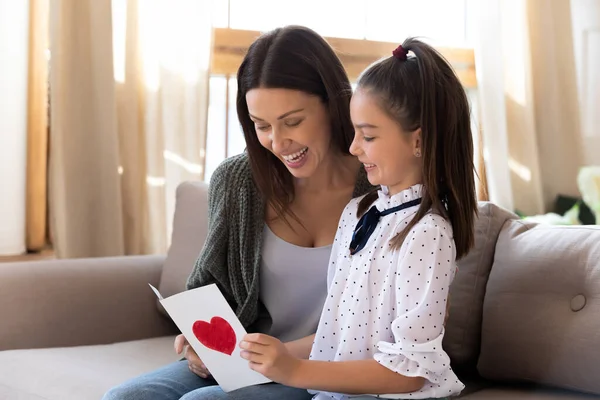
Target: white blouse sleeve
{"x": 425, "y": 270}
{"x": 341, "y": 241}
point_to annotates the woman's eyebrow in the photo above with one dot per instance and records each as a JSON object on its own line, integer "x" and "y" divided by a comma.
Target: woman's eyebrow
{"x": 289, "y": 113}
{"x": 364, "y": 125}
{"x": 281, "y": 116}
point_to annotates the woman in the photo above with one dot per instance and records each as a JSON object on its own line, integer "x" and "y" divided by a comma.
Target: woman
{"x": 274, "y": 210}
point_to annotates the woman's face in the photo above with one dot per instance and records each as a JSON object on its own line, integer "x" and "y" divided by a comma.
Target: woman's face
{"x": 293, "y": 125}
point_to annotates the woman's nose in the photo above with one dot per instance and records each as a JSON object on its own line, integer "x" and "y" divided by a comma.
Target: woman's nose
{"x": 279, "y": 142}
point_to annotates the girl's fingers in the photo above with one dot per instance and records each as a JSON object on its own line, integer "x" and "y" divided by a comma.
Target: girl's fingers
{"x": 254, "y": 347}
{"x": 252, "y": 357}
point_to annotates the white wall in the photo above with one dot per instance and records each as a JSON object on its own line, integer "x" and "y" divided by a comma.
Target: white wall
{"x": 14, "y": 28}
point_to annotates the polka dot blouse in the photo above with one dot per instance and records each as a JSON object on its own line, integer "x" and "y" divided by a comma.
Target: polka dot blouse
{"x": 390, "y": 305}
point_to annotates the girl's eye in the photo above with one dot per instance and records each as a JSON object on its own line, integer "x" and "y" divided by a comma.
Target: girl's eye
{"x": 368, "y": 138}
{"x": 293, "y": 123}
{"x": 263, "y": 128}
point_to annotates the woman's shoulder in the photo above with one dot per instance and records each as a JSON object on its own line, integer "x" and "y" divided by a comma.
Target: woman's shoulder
{"x": 232, "y": 185}
{"x": 235, "y": 167}
{"x": 233, "y": 173}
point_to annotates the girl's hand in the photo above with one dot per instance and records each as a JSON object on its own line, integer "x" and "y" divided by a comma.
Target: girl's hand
{"x": 195, "y": 364}
{"x": 268, "y": 356}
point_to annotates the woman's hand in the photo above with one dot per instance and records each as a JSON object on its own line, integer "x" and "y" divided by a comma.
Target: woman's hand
{"x": 268, "y": 356}
{"x": 194, "y": 362}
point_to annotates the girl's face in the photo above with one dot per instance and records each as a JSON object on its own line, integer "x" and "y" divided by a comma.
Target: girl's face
{"x": 390, "y": 155}
{"x": 292, "y": 125}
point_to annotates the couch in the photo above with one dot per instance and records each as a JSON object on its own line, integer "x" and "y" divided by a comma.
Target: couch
{"x": 524, "y": 318}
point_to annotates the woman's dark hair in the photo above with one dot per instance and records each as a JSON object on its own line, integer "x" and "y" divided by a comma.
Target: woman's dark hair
{"x": 293, "y": 57}
{"x": 422, "y": 91}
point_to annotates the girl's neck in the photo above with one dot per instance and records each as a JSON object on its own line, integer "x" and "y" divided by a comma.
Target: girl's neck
{"x": 405, "y": 184}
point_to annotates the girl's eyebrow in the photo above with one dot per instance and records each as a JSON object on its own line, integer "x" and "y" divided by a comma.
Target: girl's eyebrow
{"x": 281, "y": 116}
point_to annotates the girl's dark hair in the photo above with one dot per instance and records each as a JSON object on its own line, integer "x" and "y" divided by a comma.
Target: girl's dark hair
{"x": 422, "y": 91}
{"x": 293, "y": 57}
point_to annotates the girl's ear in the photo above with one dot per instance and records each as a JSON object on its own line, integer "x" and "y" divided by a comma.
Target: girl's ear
{"x": 417, "y": 142}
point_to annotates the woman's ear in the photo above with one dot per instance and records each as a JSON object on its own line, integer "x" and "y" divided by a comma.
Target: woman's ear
{"x": 417, "y": 142}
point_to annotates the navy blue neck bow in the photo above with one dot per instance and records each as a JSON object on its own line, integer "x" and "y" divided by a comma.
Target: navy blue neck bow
{"x": 368, "y": 222}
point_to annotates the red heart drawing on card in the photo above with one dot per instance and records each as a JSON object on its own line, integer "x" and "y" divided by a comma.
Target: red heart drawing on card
{"x": 217, "y": 334}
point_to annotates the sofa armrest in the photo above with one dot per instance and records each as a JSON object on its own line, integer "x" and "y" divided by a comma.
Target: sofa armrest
{"x": 80, "y": 302}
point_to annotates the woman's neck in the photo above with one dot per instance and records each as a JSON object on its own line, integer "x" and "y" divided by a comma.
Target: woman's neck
{"x": 339, "y": 171}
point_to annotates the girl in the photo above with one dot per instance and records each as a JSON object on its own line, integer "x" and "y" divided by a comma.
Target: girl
{"x": 395, "y": 251}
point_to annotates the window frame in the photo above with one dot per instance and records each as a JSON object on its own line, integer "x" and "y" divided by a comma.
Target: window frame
{"x": 230, "y": 45}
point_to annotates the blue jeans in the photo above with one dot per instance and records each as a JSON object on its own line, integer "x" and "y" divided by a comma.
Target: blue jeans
{"x": 176, "y": 382}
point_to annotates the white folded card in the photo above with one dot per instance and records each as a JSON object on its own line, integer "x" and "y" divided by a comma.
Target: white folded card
{"x": 214, "y": 332}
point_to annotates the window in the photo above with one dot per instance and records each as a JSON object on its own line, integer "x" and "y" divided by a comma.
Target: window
{"x": 225, "y": 137}
{"x": 367, "y": 28}
{"x": 442, "y": 21}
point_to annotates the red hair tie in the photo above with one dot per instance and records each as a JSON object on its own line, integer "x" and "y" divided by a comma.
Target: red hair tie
{"x": 400, "y": 53}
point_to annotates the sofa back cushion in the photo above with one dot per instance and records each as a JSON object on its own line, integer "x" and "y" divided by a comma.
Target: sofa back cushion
{"x": 190, "y": 224}
{"x": 541, "y": 312}
{"x": 463, "y": 328}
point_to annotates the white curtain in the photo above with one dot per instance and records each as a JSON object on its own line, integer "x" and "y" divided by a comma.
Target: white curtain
{"x": 14, "y": 45}
{"x": 529, "y": 103}
{"x": 129, "y": 105}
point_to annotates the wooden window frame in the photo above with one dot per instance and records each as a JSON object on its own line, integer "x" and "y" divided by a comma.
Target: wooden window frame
{"x": 230, "y": 46}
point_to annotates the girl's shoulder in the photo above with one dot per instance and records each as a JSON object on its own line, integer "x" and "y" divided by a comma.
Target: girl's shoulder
{"x": 434, "y": 219}
{"x": 351, "y": 209}
{"x": 435, "y": 224}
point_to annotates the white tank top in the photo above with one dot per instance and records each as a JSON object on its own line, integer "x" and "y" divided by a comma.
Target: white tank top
{"x": 293, "y": 287}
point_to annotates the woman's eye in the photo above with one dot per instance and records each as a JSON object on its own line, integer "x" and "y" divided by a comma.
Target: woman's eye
{"x": 293, "y": 123}
{"x": 263, "y": 128}
{"x": 368, "y": 138}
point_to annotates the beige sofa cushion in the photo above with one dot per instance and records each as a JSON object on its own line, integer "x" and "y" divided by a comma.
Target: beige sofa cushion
{"x": 79, "y": 373}
{"x": 190, "y": 224}
{"x": 541, "y": 312}
{"x": 462, "y": 338}
{"x": 533, "y": 393}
